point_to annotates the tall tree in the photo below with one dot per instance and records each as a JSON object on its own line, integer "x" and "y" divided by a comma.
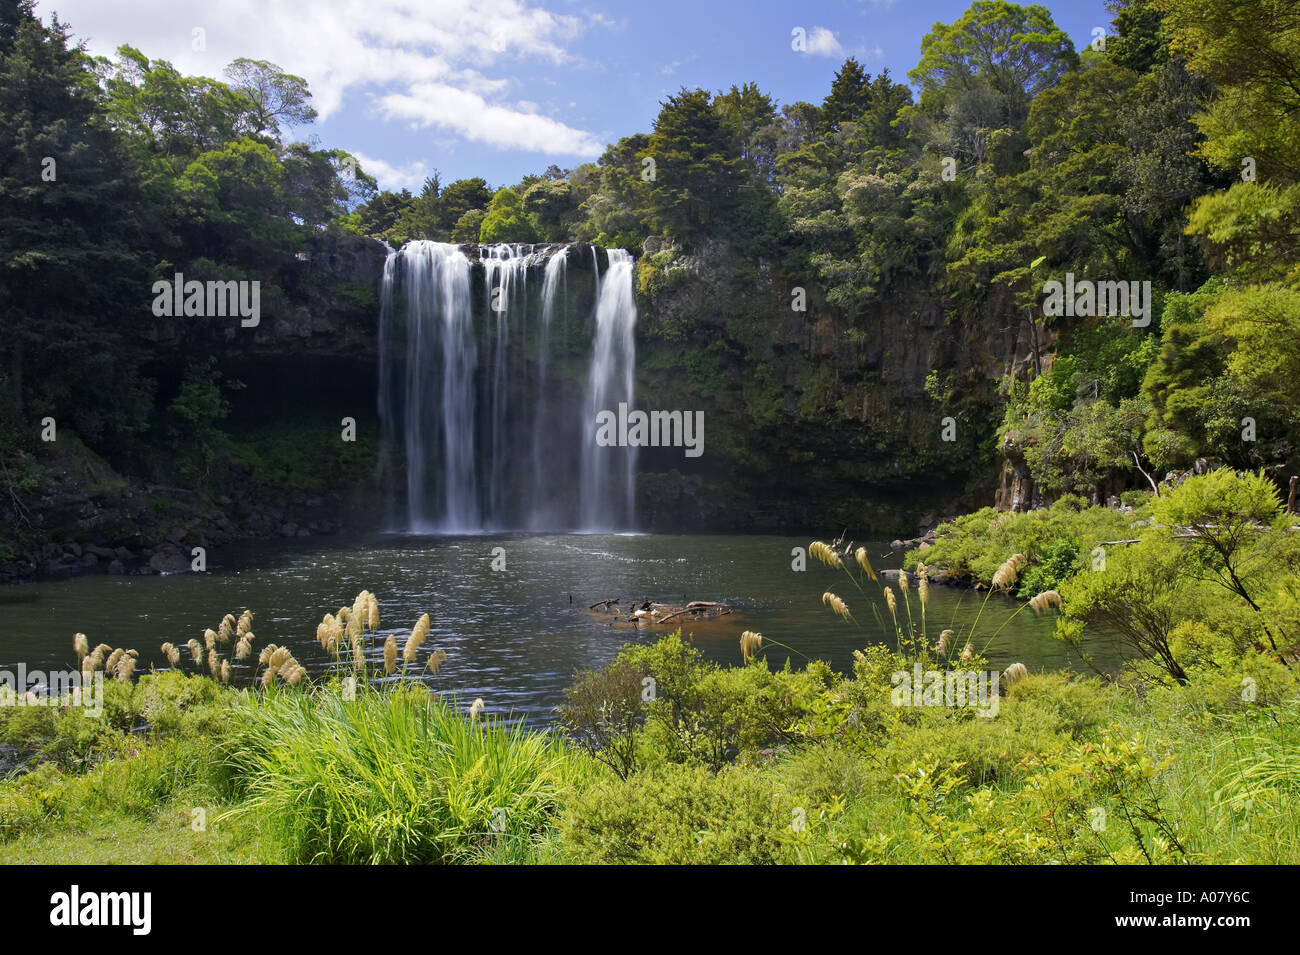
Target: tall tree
{"x": 72, "y": 275}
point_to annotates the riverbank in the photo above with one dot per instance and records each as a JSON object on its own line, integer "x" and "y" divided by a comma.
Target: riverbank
{"x": 780, "y": 766}
{"x": 920, "y": 750}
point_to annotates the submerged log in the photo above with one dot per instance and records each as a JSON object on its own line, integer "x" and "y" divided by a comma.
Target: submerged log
{"x": 649, "y": 613}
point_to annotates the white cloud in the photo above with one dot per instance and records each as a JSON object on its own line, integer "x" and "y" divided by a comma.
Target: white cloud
{"x": 822, "y": 42}
{"x": 408, "y": 176}
{"x": 467, "y": 113}
{"x": 394, "y": 49}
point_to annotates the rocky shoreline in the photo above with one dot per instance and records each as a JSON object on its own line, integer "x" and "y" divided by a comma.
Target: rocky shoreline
{"x": 117, "y": 549}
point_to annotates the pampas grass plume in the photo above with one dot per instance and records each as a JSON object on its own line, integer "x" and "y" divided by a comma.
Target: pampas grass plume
{"x": 1045, "y": 600}
{"x": 416, "y": 639}
{"x": 1014, "y": 674}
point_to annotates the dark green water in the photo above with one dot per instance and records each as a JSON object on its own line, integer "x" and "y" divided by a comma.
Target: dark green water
{"x": 513, "y": 637}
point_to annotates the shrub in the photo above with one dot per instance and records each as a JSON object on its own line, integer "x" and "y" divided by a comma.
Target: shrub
{"x": 392, "y": 777}
{"x": 681, "y": 815}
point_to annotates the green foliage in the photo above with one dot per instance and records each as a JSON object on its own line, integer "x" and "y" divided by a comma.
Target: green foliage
{"x": 507, "y": 221}
{"x": 681, "y": 815}
{"x": 391, "y": 778}
{"x": 982, "y": 72}
{"x": 972, "y": 547}
{"x": 1251, "y": 52}
{"x": 193, "y": 423}
{"x": 701, "y": 713}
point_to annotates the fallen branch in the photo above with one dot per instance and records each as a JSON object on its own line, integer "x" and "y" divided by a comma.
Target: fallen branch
{"x": 695, "y": 606}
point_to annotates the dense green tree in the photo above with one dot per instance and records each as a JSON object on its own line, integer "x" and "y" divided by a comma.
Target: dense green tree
{"x": 279, "y": 100}
{"x": 380, "y": 213}
{"x": 1250, "y": 51}
{"x": 506, "y": 220}
{"x": 551, "y": 204}
{"x": 981, "y": 73}
{"x": 697, "y": 170}
{"x": 72, "y": 273}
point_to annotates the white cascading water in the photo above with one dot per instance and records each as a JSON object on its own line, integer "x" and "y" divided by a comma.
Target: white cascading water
{"x": 555, "y": 292}
{"x": 480, "y": 453}
{"x": 435, "y": 399}
{"x": 609, "y": 473}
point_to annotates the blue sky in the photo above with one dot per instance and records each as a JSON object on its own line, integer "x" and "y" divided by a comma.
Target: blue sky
{"x": 501, "y": 88}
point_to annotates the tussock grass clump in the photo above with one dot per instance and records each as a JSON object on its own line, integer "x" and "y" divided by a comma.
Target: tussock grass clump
{"x": 392, "y": 777}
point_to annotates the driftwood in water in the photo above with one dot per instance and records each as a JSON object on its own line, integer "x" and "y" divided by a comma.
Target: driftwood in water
{"x": 649, "y": 613}
{"x": 697, "y": 606}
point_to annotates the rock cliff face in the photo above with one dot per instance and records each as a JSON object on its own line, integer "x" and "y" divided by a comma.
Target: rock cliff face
{"x": 324, "y": 301}
{"x": 309, "y": 362}
{"x": 814, "y": 419}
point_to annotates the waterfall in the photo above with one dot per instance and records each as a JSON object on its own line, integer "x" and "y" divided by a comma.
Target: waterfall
{"x": 609, "y": 473}
{"x": 440, "y": 357}
{"x": 554, "y": 300}
{"x": 505, "y": 285}
{"x": 470, "y": 402}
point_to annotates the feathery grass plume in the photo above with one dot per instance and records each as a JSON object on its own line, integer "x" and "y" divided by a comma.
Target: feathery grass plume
{"x": 945, "y": 640}
{"x": 902, "y": 581}
{"x": 225, "y": 671}
{"x": 210, "y": 638}
{"x": 227, "y": 628}
{"x": 268, "y": 678}
{"x": 279, "y": 657}
{"x": 125, "y": 667}
{"x": 891, "y": 601}
{"x": 214, "y": 663}
{"x": 245, "y": 623}
{"x": 1008, "y": 573}
{"x": 967, "y": 653}
{"x": 354, "y": 623}
{"x": 750, "y": 642}
{"x": 265, "y": 656}
{"x": 923, "y": 583}
{"x": 1048, "y": 598}
{"x": 436, "y": 659}
{"x": 416, "y": 639}
{"x": 358, "y": 653}
{"x": 330, "y": 632}
{"x": 373, "y": 611}
{"x": 360, "y": 611}
{"x": 836, "y": 604}
{"x": 1014, "y": 674}
{"x": 390, "y": 655}
{"x": 826, "y": 554}
{"x": 861, "y": 556}
{"x": 296, "y": 675}
{"x": 114, "y": 658}
{"x": 476, "y": 708}
{"x": 244, "y": 648}
{"x": 196, "y": 651}
{"x": 81, "y": 646}
{"x": 173, "y": 655}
